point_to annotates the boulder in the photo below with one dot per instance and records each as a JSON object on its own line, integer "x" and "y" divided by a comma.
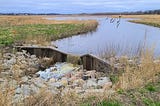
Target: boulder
{"x": 79, "y": 90}
{"x": 78, "y": 83}
{"x": 91, "y": 74}
{"x": 103, "y": 80}
{"x": 91, "y": 83}
{"x": 58, "y": 85}
{"x": 1, "y": 80}
{"x": 38, "y": 82}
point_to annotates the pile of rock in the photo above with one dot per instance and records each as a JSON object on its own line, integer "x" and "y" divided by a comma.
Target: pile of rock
{"x": 20, "y": 73}
{"x": 18, "y": 64}
{"x": 75, "y": 78}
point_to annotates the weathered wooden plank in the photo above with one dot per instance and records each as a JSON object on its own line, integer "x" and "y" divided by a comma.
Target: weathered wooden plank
{"x": 50, "y": 52}
{"x": 91, "y": 62}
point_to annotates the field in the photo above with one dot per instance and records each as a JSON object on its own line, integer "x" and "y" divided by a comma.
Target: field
{"x": 153, "y": 20}
{"x": 38, "y": 30}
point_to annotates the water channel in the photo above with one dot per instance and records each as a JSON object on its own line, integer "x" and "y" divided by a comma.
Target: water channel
{"x": 126, "y": 35}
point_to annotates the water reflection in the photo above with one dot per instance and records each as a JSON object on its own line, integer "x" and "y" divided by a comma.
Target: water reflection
{"x": 120, "y": 32}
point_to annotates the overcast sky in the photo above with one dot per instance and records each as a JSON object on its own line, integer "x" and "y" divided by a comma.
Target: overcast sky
{"x": 76, "y": 6}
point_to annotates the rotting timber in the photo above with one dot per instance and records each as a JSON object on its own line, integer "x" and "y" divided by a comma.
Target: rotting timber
{"x": 89, "y": 61}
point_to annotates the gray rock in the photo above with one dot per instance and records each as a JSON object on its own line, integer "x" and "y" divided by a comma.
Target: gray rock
{"x": 24, "y": 62}
{"x": 79, "y": 90}
{"x": 5, "y": 66}
{"x": 18, "y": 91}
{"x": 8, "y": 55}
{"x": 24, "y": 79}
{"x": 86, "y": 77}
{"x": 17, "y": 98}
{"x": 57, "y": 85}
{"x": 78, "y": 83}
{"x": 38, "y": 82}
{"x": 33, "y": 57}
{"x": 12, "y": 84}
{"x": 5, "y": 74}
{"x": 90, "y": 83}
{"x": 1, "y": 80}
{"x": 103, "y": 80}
{"x": 24, "y": 89}
{"x": 34, "y": 89}
{"x": 11, "y": 61}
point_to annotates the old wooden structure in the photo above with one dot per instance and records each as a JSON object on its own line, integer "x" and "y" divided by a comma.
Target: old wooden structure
{"x": 50, "y": 52}
{"x": 91, "y": 62}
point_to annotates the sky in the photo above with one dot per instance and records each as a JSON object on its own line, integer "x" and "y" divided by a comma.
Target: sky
{"x": 76, "y": 6}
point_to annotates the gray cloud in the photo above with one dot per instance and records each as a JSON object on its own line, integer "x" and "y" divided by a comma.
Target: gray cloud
{"x": 76, "y": 6}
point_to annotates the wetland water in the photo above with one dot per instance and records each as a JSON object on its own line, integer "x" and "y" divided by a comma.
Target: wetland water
{"x": 126, "y": 35}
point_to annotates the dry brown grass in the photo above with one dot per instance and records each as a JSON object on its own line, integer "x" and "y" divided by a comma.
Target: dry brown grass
{"x": 5, "y": 99}
{"x": 6, "y": 94}
{"x": 67, "y": 98}
{"x": 153, "y": 20}
{"x": 39, "y": 30}
{"x": 136, "y": 76}
{"x": 23, "y": 20}
{"x": 46, "y": 98}
{"x": 138, "y": 16}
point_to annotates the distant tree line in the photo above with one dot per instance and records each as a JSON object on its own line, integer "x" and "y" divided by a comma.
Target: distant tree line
{"x": 29, "y": 14}
{"x": 144, "y": 12}
{"x": 107, "y": 13}
{"x": 130, "y": 13}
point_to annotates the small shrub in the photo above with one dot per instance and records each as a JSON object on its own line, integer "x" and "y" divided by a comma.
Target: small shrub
{"x": 151, "y": 88}
{"x": 120, "y": 91}
{"x": 114, "y": 78}
{"x": 149, "y": 102}
{"x": 6, "y": 39}
{"x": 109, "y": 103}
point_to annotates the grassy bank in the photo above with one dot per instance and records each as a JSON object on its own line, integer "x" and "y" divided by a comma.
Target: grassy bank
{"x": 36, "y": 29}
{"x": 152, "y": 20}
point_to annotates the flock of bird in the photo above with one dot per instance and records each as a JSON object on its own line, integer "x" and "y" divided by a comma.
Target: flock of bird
{"x": 117, "y": 20}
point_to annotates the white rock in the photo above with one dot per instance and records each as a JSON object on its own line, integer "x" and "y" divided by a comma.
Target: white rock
{"x": 79, "y": 90}
{"x": 11, "y": 61}
{"x": 103, "y": 80}
{"x": 38, "y": 82}
{"x": 1, "y": 80}
{"x": 56, "y": 84}
{"x": 24, "y": 79}
{"x": 90, "y": 83}
{"x": 78, "y": 83}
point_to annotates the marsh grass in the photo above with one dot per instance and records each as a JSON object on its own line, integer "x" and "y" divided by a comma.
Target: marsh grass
{"x": 139, "y": 66}
{"x": 74, "y": 59}
{"x": 153, "y": 20}
{"x": 45, "y": 98}
{"x": 117, "y": 50}
{"x": 39, "y": 29}
{"x": 136, "y": 76}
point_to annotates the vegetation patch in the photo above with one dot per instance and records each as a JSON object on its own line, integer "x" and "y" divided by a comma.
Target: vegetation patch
{"x": 152, "y": 20}
{"x": 29, "y": 30}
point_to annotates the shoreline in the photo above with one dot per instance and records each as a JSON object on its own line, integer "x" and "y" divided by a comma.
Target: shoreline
{"x": 151, "y": 20}
{"x": 37, "y": 30}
